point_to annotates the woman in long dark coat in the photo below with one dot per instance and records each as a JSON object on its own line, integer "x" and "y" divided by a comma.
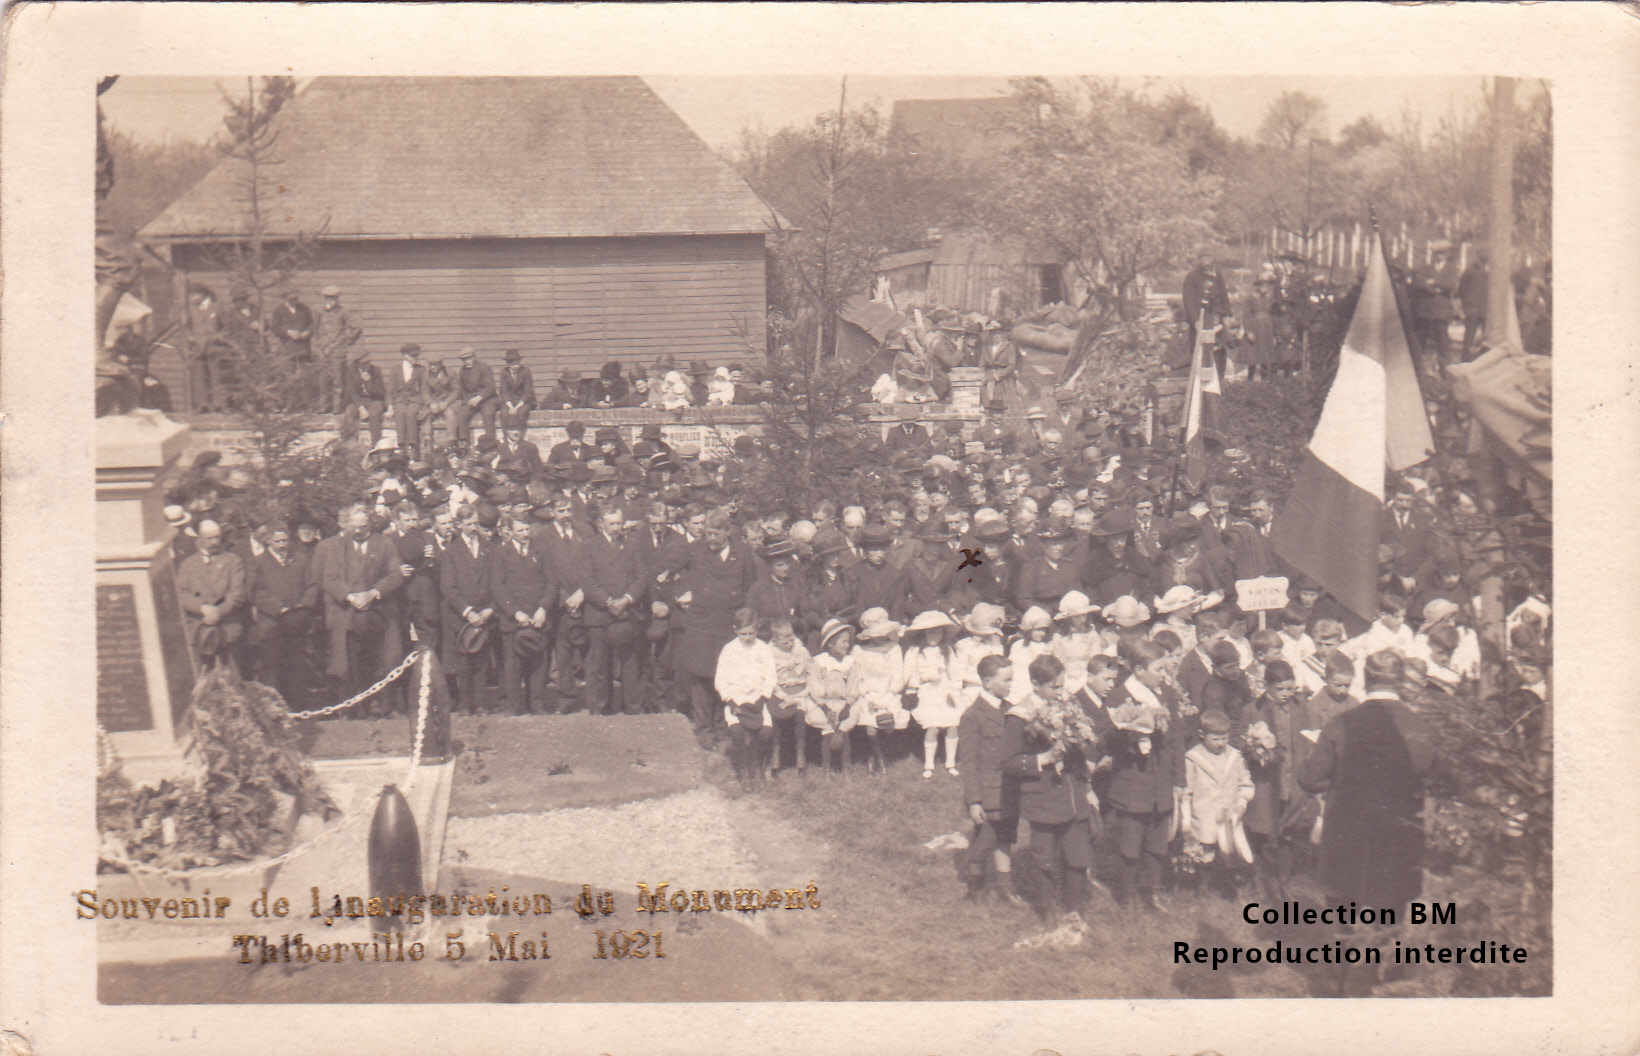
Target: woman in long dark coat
{"x": 1371, "y": 762}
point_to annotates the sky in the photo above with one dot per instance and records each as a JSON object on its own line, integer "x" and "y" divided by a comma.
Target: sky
{"x": 719, "y": 108}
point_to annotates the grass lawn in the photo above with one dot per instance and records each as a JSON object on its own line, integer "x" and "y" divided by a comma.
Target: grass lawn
{"x": 897, "y": 927}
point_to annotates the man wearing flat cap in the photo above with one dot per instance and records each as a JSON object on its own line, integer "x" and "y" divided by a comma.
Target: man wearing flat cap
{"x": 334, "y": 333}
{"x": 475, "y": 394}
{"x": 408, "y": 384}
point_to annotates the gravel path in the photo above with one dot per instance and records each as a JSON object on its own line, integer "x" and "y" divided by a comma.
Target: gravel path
{"x": 687, "y": 840}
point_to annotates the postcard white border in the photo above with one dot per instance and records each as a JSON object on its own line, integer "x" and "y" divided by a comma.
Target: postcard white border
{"x": 1591, "y": 53}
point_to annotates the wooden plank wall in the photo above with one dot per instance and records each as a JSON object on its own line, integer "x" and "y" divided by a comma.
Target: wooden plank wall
{"x": 967, "y": 287}
{"x": 564, "y": 303}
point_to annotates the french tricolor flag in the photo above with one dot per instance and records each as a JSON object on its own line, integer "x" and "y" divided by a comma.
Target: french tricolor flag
{"x": 1374, "y": 418}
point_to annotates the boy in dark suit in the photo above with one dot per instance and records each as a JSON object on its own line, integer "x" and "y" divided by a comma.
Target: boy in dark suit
{"x": 985, "y": 745}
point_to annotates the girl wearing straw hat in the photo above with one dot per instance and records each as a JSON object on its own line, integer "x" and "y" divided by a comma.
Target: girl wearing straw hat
{"x": 831, "y": 712}
{"x": 1075, "y": 640}
{"x": 928, "y": 663}
{"x": 877, "y": 681}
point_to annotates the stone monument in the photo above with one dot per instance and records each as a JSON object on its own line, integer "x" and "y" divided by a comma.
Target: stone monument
{"x": 145, "y": 674}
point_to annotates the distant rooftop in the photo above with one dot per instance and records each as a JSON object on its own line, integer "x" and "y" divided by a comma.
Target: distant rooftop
{"x": 469, "y": 157}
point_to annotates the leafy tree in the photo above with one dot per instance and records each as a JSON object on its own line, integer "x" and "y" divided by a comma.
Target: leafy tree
{"x": 151, "y": 176}
{"x": 848, "y": 196}
{"x": 1107, "y": 181}
{"x": 1293, "y": 118}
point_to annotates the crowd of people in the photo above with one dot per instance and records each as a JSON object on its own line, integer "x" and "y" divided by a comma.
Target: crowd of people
{"x": 1017, "y": 610}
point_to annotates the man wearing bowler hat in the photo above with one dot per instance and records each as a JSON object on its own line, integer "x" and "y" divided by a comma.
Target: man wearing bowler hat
{"x": 475, "y": 394}
{"x": 516, "y": 390}
{"x": 566, "y": 394}
{"x": 572, "y": 449}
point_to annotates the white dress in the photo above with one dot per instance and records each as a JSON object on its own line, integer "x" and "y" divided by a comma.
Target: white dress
{"x": 928, "y": 671}
{"x": 1020, "y": 656}
{"x": 878, "y": 678}
{"x": 1074, "y": 649}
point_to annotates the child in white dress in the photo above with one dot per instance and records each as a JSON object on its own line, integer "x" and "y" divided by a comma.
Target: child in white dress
{"x": 829, "y": 710}
{"x": 928, "y": 663}
{"x": 1075, "y": 639}
{"x": 745, "y": 680}
{"x": 877, "y": 680}
{"x": 1031, "y": 643}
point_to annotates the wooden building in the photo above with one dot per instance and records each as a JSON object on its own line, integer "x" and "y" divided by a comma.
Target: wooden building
{"x": 576, "y": 219}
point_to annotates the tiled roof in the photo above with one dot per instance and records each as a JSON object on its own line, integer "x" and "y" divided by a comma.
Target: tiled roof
{"x": 455, "y": 157}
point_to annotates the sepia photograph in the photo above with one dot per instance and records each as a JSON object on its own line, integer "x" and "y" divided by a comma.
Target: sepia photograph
{"x": 990, "y": 489}
{"x": 1021, "y": 534}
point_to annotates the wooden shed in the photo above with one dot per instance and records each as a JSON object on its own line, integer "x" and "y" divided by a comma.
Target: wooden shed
{"x": 967, "y": 265}
{"x": 576, "y": 219}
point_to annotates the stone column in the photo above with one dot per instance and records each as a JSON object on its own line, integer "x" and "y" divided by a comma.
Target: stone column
{"x": 145, "y": 674}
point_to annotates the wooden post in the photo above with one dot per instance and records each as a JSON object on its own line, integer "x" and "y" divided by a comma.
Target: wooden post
{"x": 1499, "y": 289}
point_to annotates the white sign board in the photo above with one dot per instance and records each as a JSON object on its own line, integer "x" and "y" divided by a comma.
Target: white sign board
{"x": 1264, "y": 592}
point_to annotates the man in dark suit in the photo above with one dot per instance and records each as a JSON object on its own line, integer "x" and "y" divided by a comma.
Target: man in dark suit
{"x": 650, "y": 443}
{"x": 525, "y": 594}
{"x": 615, "y": 588}
{"x": 475, "y": 394}
{"x": 363, "y": 392}
{"x": 409, "y": 398}
{"x": 1415, "y": 542}
{"x": 1248, "y": 540}
{"x": 210, "y": 586}
{"x": 464, "y": 584}
{"x": 282, "y": 610}
{"x": 572, "y": 449}
{"x": 514, "y": 448}
{"x": 516, "y": 389}
{"x": 292, "y": 325}
{"x": 364, "y": 640}
{"x": 563, "y": 542}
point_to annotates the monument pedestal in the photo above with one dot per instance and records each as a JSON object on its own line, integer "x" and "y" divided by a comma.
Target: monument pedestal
{"x": 145, "y": 674}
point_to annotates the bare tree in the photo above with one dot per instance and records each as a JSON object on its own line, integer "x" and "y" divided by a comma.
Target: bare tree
{"x": 1292, "y": 119}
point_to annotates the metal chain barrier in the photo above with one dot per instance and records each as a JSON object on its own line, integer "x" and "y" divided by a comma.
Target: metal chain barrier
{"x": 404, "y": 665}
{"x": 367, "y": 805}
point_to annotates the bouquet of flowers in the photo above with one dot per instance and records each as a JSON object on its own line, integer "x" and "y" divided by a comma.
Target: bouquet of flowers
{"x": 1259, "y": 744}
{"x": 1063, "y": 725}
